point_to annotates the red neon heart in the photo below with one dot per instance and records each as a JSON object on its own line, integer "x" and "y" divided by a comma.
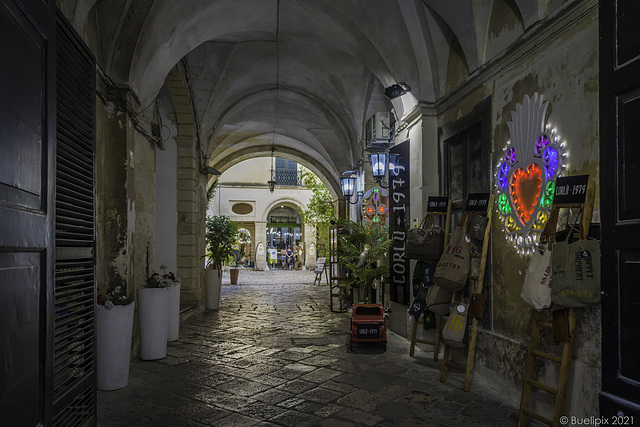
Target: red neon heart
{"x": 526, "y": 186}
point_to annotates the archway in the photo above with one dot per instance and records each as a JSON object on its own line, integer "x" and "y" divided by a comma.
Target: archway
{"x": 284, "y": 231}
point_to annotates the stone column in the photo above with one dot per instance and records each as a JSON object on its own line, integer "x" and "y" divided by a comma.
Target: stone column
{"x": 309, "y": 238}
{"x": 190, "y": 224}
{"x": 261, "y": 237}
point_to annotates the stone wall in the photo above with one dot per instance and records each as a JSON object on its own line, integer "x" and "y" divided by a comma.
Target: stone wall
{"x": 561, "y": 64}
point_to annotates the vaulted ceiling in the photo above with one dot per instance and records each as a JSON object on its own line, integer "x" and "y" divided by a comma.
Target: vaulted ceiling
{"x": 303, "y": 73}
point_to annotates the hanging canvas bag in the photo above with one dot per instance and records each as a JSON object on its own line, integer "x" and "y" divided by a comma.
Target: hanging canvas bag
{"x": 456, "y": 326}
{"x": 453, "y": 267}
{"x": 425, "y": 242}
{"x": 576, "y": 273}
{"x": 438, "y": 299}
{"x": 536, "y": 289}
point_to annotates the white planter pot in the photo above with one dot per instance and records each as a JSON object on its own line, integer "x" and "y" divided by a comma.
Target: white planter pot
{"x": 114, "y": 329}
{"x": 153, "y": 305}
{"x": 213, "y": 284}
{"x": 173, "y": 325}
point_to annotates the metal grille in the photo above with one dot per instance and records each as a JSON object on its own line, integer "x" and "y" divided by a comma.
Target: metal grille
{"x": 285, "y": 177}
{"x": 74, "y": 396}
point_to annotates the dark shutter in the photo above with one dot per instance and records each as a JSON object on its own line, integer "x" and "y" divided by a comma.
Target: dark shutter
{"x": 74, "y": 395}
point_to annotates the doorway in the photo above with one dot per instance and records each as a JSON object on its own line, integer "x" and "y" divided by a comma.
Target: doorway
{"x": 284, "y": 230}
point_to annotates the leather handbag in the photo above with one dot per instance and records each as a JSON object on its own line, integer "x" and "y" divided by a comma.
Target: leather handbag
{"x": 425, "y": 242}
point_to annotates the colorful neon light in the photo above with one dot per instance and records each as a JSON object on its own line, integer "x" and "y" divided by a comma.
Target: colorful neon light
{"x": 525, "y": 177}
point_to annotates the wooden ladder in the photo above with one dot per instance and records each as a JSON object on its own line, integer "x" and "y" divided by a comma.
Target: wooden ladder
{"x": 433, "y": 209}
{"x": 479, "y": 279}
{"x": 560, "y": 391}
{"x": 337, "y": 293}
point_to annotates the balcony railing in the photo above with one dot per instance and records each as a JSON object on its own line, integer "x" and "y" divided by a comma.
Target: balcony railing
{"x": 287, "y": 178}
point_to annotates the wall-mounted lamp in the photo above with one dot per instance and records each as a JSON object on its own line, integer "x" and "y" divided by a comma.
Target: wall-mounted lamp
{"x": 381, "y": 163}
{"x": 378, "y": 167}
{"x": 394, "y": 159}
{"x": 348, "y": 185}
{"x": 396, "y": 90}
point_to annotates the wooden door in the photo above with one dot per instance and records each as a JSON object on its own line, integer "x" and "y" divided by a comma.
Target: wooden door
{"x": 27, "y": 165}
{"x": 620, "y": 206}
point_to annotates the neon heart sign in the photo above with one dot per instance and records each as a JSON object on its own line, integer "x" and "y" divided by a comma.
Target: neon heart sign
{"x": 533, "y": 159}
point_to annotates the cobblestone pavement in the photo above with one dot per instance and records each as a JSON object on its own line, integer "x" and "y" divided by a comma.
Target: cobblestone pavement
{"x": 274, "y": 354}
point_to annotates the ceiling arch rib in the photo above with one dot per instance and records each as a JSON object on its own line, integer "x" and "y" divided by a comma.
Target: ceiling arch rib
{"x": 298, "y": 113}
{"x": 461, "y": 22}
{"x": 316, "y": 137}
{"x": 324, "y": 90}
{"x": 329, "y": 176}
{"x": 163, "y": 41}
{"x": 416, "y": 22}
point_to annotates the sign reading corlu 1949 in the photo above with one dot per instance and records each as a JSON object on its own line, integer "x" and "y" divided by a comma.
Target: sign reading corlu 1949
{"x": 400, "y": 279}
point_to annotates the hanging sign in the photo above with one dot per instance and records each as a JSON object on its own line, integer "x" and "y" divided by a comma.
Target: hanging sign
{"x": 571, "y": 190}
{"x": 437, "y": 204}
{"x": 399, "y": 220}
{"x": 478, "y": 202}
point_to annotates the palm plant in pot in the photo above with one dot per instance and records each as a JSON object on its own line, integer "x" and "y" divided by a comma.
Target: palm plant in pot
{"x": 362, "y": 250}
{"x": 221, "y": 234}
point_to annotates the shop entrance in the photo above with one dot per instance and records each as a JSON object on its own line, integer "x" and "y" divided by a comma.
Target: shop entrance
{"x": 284, "y": 230}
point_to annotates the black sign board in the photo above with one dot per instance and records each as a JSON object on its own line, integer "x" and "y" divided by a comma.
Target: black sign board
{"x": 571, "y": 190}
{"x": 399, "y": 214}
{"x": 437, "y": 204}
{"x": 478, "y": 202}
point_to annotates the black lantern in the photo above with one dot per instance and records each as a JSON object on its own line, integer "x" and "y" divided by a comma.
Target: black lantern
{"x": 378, "y": 165}
{"x": 348, "y": 185}
{"x": 272, "y": 185}
{"x": 394, "y": 159}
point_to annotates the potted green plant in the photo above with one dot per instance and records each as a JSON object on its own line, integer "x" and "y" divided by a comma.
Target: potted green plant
{"x": 362, "y": 250}
{"x": 221, "y": 235}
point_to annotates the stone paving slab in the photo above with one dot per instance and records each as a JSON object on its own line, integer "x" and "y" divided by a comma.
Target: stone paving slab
{"x": 275, "y": 355}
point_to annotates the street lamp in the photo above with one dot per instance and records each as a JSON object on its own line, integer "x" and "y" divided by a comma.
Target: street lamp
{"x": 348, "y": 185}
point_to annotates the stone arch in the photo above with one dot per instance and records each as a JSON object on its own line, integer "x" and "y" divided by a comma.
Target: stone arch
{"x": 191, "y": 190}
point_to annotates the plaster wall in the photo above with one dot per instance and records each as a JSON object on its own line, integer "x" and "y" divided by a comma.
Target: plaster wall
{"x": 166, "y": 237}
{"x": 252, "y": 171}
{"x": 112, "y": 259}
{"x": 563, "y": 68}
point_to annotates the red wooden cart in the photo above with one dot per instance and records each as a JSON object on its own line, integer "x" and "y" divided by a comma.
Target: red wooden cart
{"x": 368, "y": 324}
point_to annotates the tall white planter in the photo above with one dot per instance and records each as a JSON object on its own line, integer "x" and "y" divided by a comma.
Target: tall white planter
{"x": 213, "y": 284}
{"x": 173, "y": 331}
{"x": 114, "y": 327}
{"x": 153, "y": 305}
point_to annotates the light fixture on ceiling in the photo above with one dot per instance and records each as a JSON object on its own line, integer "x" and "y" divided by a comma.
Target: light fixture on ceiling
{"x": 272, "y": 180}
{"x": 396, "y": 90}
